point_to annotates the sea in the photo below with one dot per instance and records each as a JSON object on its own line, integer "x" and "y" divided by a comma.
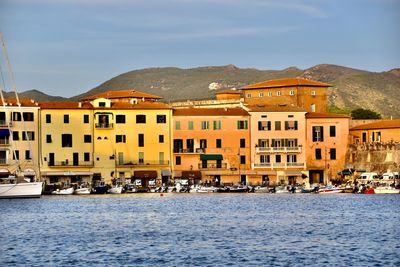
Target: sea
{"x": 215, "y": 229}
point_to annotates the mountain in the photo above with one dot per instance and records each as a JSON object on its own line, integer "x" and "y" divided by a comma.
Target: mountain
{"x": 36, "y": 95}
{"x": 351, "y": 88}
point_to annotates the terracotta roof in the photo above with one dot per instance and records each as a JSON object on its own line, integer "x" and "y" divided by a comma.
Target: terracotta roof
{"x": 275, "y": 108}
{"x": 131, "y": 93}
{"x": 140, "y": 105}
{"x": 287, "y": 82}
{"x": 23, "y": 101}
{"x": 326, "y": 115}
{"x": 64, "y": 105}
{"x": 210, "y": 112}
{"x": 383, "y": 124}
{"x": 235, "y": 92}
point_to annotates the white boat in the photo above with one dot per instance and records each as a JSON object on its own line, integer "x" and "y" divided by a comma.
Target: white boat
{"x": 203, "y": 189}
{"x": 330, "y": 190}
{"x": 386, "y": 190}
{"x": 115, "y": 189}
{"x": 66, "y": 191}
{"x": 262, "y": 189}
{"x": 21, "y": 190}
{"x": 82, "y": 191}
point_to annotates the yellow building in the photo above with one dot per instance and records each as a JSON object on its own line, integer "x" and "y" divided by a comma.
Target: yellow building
{"x": 131, "y": 137}
{"x": 19, "y": 138}
{"x": 66, "y": 142}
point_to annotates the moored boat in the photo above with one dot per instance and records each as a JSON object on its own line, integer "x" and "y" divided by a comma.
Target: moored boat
{"x": 330, "y": 190}
{"x": 82, "y": 191}
{"x": 65, "y": 191}
{"x": 21, "y": 190}
{"x": 386, "y": 190}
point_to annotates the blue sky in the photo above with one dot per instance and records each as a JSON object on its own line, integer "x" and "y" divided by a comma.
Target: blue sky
{"x": 66, "y": 47}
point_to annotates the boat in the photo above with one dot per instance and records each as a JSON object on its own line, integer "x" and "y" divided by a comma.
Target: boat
{"x": 234, "y": 189}
{"x": 65, "y": 191}
{"x": 16, "y": 186}
{"x": 10, "y": 188}
{"x": 310, "y": 190}
{"x": 262, "y": 189}
{"x": 386, "y": 190}
{"x": 330, "y": 190}
{"x": 82, "y": 190}
{"x": 203, "y": 189}
{"x": 100, "y": 188}
{"x": 117, "y": 189}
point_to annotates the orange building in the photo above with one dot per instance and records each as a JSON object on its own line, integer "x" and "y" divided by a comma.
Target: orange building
{"x": 327, "y": 141}
{"x": 298, "y": 92}
{"x": 211, "y": 144}
{"x": 228, "y": 94}
{"x": 378, "y": 131}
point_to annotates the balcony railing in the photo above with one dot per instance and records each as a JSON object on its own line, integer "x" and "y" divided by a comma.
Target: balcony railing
{"x": 212, "y": 166}
{"x": 4, "y": 123}
{"x": 296, "y": 149}
{"x": 70, "y": 163}
{"x": 189, "y": 150}
{"x": 104, "y": 125}
{"x": 141, "y": 163}
{"x": 3, "y": 162}
{"x": 4, "y": 142}
{"x": 279, "y": 165}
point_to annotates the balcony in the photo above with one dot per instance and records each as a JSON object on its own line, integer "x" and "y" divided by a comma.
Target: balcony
{"x": 4, "y": 142}
{"x": 280, "y": 165}
{"x": 213, "y": 166}
{"x": 104, "y": 125}
{"x": 4, "y": 123}
{"x": 3, "y": 161}
{"x": 189, "y": 151}
{"x": 70, "y": 164}
{"x": 295, "y": 149}
{"x": 142, "y": 163}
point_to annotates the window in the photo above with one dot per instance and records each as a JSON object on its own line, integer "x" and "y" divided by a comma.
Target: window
{"x": 332, "y": 131}
{"x": 290, "y": 116}
{"x": 203, "y": 143}
{"x": 264, "y": 125}
{"x": 278, "y": 158}
{"x": 28, "y": 154}
{"x": 48, "y": 118}
{"x": 242, "y": 125}
{"x": 119, "y": 118}
{"x": 264, "y": 116}
{"x": 277, "y": 126}
{"x": 218, "y": 143}
{"x": 161, "y": 138}
{"x": 16, "y": 155}
{"x": 291, "y": 158}
{"x": 86, "y": 156}
{"x": 28, "y": 135}
{"x": 190, "y": 125}
{"x": 269, "y": 93}
{"x": 248, "y": 95}
{"x": 161, "y": 119}
{"x": 313, "y": 93}
{"x": 16, "y": 116}
{"x": 141, "y": 140}
{"x": 242, "y": 159}
{"x": 28, "y": 116}
{"x": 291, "y": 92}
{"x": 312, "y": 107}
{"x": 318, "y": 133}
{"x": 264, "y": 158}
{"x": 178, "y": 160}
{"x": 278, "y": 93}
{"x": 85, "y": 118}
{"x": 205, "y": 125}
{"x": 15, "y": 135}
{"x": 102, "y": 104}
{"x": 48, "y": 138}
{"x": 260, "y": 94}
{"x": 161, "y": 157}
{"x": 291, "y": 125}
{"x": 177, "y": 125}
{"x": 333, "y": 153}
{"x": 140, "y": 118}
{"x": 217, "y": 125}
{"x": 318, "y": 154}
{"x": 66, "y": 118}
{"x": 87, "y": 138}
{"x": 120, "y": 138}
{"x": 66, "y": 140}
{"x": 141, "y": 157}
{"x": 242, "y": 142}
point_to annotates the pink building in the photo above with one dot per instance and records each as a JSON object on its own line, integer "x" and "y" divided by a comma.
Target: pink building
{"x": 211, "y": 145}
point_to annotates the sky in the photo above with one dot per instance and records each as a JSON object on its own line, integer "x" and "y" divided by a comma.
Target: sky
{"x": 67, "y": 47}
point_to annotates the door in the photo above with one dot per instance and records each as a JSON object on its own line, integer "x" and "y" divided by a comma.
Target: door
{"x": 75, "y": 160}
{"x": 190, "y": 145}
{"x": 243, "y": 179}
{"x": 178, "y": 145}
{"x": 217, "y": 179}
{"x": 51, "y": 159}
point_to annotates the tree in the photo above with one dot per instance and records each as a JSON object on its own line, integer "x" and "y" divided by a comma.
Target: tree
{"x": 360, "y": 114}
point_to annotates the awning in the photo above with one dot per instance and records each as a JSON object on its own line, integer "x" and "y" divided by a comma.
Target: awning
{"x": 165, "y": 173}
{"x": 191, "y": 174}
{"x": 211, "y": 157}
{"x": 4, "y": 172}
{"x": 266, "y": 172}
{"x": 346, "y": 172}
{"x": 293, "y": 173}
{"x": 4, "y": 132}
{"x": 145, "y": 174}
{"x": 67, "y": 173}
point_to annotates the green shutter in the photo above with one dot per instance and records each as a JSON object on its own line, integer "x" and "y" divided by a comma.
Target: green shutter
{"x": 246, "y": 125}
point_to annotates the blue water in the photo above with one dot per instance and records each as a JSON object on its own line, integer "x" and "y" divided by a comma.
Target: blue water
{"x": 201, "y": 230}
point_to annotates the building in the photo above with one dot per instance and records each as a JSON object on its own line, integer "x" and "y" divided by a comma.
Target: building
{"x": 19, "y": 133}
{"x": 296, "y": 92}
{"x": 211, "y": 145}
{"x": 228, "y": 94}
{"x": 278, "y": 144}
{"x": 327, "y": 142}
{"x": 377, "y": 131}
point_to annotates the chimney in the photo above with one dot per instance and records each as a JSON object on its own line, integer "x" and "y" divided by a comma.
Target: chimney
{"x": 79, "y": 104}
